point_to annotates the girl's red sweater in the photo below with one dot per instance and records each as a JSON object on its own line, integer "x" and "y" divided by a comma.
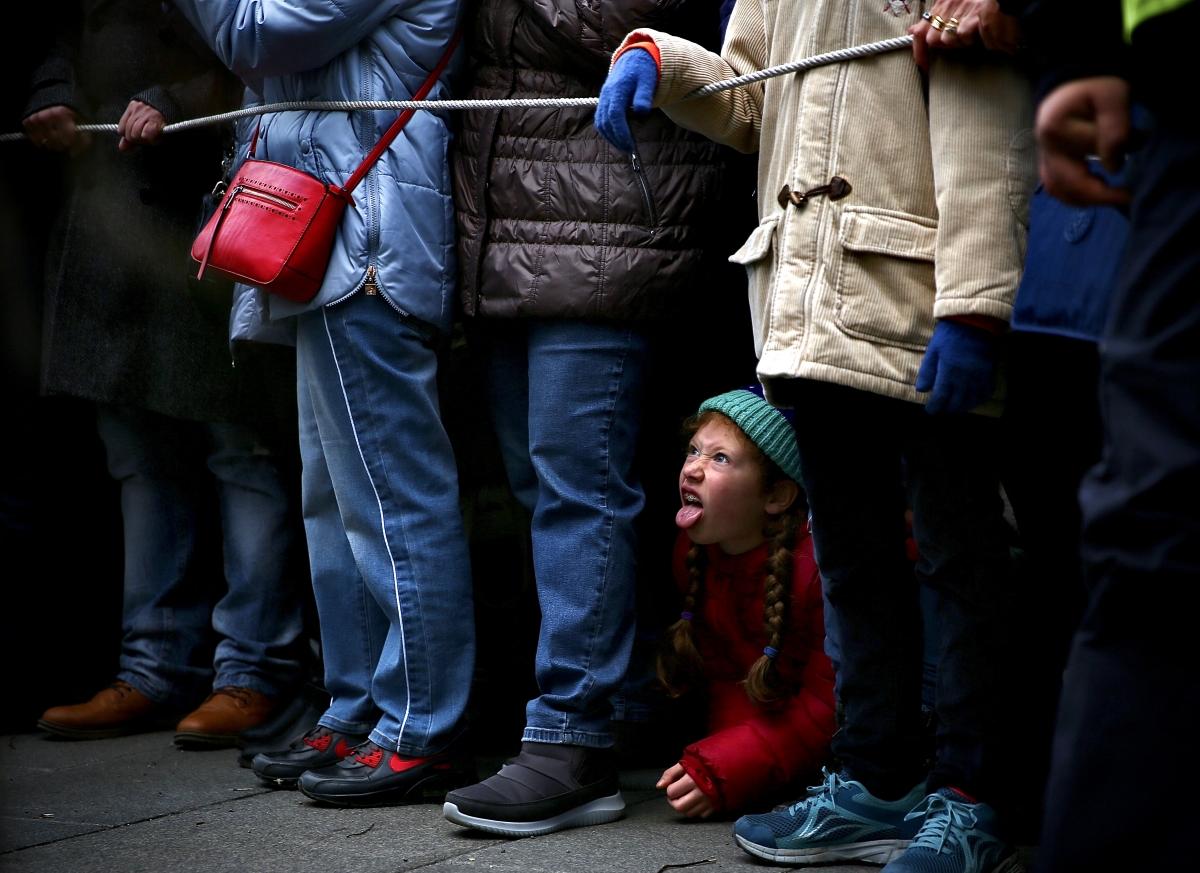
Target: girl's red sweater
{"x": 749, "y": 752}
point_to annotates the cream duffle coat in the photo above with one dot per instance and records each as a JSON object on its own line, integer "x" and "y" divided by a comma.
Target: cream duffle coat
{"x": 941, "y": 172}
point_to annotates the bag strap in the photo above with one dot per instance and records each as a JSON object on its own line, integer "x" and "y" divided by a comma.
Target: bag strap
{"x": 392, "y": 132}
{"x": 402, "y": 119}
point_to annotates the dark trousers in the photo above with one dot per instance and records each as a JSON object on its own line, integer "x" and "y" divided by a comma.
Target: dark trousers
{"x": 1051, "y": 429}
{"x": 1122, "y": 791}
{"x": 864, "y": 457}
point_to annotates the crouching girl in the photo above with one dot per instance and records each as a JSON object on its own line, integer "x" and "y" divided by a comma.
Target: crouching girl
{"x": 751, "y": 631}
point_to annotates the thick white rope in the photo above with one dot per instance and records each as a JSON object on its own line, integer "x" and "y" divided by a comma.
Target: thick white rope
{"x": 821, "y": 60}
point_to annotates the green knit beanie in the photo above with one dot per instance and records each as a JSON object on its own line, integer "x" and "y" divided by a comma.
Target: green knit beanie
{"x": 763, "y": 424}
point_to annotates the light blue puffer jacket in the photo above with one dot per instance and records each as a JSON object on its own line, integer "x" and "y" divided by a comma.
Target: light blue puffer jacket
{"x": 403, "y": 223}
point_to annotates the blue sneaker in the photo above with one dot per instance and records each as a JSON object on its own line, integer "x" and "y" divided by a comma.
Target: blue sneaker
{"x": 958, "y": 836}
{"x": 839, "y": 820}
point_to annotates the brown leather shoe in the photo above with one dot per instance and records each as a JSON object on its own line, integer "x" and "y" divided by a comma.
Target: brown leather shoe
{"x": 226, "y": 713}
{"x": 118, "y": 710}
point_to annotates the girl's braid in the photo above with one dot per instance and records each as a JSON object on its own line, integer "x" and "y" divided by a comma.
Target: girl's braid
{"x": 680, "y": 667}
{"x": 764, "y": 685}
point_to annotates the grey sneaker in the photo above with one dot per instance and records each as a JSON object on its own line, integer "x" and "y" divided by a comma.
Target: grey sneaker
{"x": 544, "y": 789}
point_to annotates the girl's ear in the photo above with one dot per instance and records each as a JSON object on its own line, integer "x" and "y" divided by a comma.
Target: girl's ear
{"x": 782, "y": 495}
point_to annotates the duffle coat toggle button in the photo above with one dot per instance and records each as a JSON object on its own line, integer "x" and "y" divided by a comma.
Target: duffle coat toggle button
{"x": 836, "y": 189}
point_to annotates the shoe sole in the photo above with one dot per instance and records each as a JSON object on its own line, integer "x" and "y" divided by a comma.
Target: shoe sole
{"x": 429, "y": 790}
{"x": 125, "y": 730}
{"x": 872, "y": 852}
{"x": 200, "y": 742}
{"x": 600, "y": 811}
{"x": 1011, "y": 864}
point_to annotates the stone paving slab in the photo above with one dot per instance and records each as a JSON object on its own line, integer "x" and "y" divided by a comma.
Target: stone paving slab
{"x": 137, "y": 805}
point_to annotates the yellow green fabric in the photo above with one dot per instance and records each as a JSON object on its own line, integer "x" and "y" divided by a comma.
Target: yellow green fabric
{"x": 1135, "y": 12}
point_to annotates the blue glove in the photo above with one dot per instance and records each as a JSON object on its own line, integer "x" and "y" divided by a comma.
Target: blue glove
{"x": 630, "y": 85}
{"x": 959, "y": 368}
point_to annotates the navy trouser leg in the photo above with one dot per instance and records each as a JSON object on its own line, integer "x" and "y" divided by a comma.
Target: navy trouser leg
{"x": 850, "y": 456}
{"x": 858, "y": 456}
{"x": 1122, "y": 790}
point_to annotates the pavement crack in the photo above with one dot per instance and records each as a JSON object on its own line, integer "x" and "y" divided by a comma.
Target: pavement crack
{"x": 125, "y": 824}
{"x": 685, "y": 864}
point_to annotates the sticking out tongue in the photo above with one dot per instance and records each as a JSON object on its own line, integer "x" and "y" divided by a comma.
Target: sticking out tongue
{"x": 688, "y": 515}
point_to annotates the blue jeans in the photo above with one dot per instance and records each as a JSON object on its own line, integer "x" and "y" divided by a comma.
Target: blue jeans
{"x": 171, "y": 607}
{"x": 564, "y": 399}
{"x": 859, "y": 454}
{"x": 390, "y": 567}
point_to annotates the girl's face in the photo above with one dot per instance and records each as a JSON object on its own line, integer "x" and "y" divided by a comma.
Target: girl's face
{"x": 721, "y": 487}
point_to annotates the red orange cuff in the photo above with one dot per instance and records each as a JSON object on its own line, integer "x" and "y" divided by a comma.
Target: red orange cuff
{"x": 641, "y": 41}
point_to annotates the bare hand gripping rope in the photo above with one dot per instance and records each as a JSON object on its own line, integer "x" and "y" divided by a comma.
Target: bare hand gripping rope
{"x": 821, "y": 60}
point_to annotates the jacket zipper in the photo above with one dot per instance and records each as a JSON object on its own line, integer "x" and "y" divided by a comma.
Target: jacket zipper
{"x": 263, "y": 195}
{"x": 372, "y": 179}
{"x": 639, "y": 173}
{"x": 370, "y": 286}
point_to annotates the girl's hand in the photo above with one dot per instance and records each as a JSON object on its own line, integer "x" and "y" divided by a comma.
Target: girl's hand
{"x": 684, "y": 795}
{"x": 978, "y": 21}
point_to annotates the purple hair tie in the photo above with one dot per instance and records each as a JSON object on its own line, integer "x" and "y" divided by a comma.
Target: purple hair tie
{"x": 771, "y": 652}
{"x": 686, "y": 616}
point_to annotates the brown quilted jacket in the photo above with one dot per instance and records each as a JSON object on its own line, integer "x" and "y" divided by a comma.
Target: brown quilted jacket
{"x": 552, "y": 221}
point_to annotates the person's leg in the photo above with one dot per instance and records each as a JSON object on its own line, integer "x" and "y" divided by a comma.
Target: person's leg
{"x": 353, "y": 627}
{"x": 1130, "y": 695}
{"x": 952, "y": 471}
{"x": 259, "y": 617}
{"x": 1051, "y": 428}
{"x": 850, "y": 459}
{"x": 853, "y": 476}
{"x": 371, "y": 379}
{"x": 584, "y": 382}
{"x": 585, "y": 385}
{"x": 166, "y": 615}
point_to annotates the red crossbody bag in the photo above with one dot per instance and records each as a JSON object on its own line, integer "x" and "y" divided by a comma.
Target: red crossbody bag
{"x": 276, "y": 225}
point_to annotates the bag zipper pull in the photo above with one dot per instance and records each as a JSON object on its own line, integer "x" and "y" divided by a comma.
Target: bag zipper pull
{"x": 369, "y": 286}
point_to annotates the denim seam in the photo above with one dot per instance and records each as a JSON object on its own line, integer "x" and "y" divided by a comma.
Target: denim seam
{"x": 410, "y": 324}
{"x": 382, "y": 525}
{"x": 614, "y": 393}
{"x": 566, "y": 737}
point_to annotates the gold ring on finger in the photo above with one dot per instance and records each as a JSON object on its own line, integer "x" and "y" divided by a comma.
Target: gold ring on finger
{"x": 937, "y": 22}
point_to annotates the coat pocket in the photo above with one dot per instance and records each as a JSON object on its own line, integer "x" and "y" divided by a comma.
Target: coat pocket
{"x": 758, "y": 256}
{"x": 884, "y": 278}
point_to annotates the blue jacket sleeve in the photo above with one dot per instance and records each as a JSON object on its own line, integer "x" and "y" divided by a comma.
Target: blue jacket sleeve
{"x": 266, "y": 38}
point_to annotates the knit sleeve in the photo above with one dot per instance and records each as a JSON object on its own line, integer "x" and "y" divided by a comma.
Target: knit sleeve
{"x": 54, "y": 83}
{"x": 731, "y": 117}
{"x": 212, "y": 92}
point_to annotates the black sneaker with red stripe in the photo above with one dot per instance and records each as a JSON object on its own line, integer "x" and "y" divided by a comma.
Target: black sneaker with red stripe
{"x": 374, "y": 776}
{"x": 318, "y": 748}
